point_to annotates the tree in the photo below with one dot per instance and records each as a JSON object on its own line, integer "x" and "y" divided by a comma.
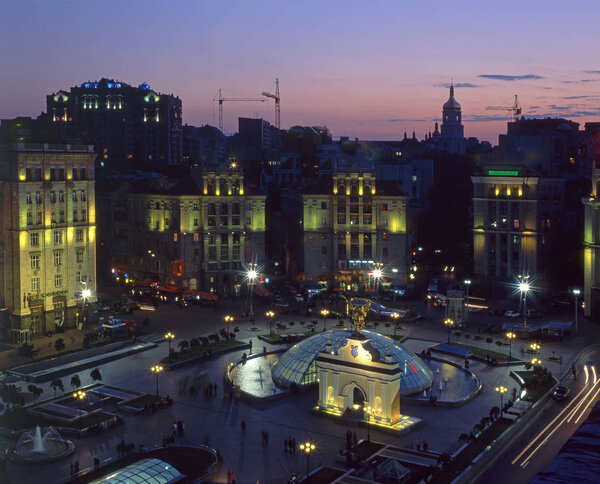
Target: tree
{"x": 57, "y": 384}
{"x": 59, "y": 345}
{"x": 75, "y": 381}
{"x": 183, "y": 345}
{"x": 444, "y": 459}
{"x": 463, "y": 438}
{"x": 26, "y": 351}
{"x": 35, "y": 390}
{"x": 96, "y": 375}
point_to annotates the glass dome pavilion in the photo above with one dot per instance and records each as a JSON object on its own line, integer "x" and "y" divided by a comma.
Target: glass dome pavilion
{"x": 297, "y": 365}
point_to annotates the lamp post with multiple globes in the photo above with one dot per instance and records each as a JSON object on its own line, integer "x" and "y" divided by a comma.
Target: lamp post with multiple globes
{"x": 307, "y": 448}
{"x": 169, "y": 337}
{"x": 501, "y": 390}
{"x": 79, "y": 395}
{"x": 449, "y": 324}
{"x": 324, "y": 313}
{"x": 510, "y": 336}
{"x": 157, "y": 370}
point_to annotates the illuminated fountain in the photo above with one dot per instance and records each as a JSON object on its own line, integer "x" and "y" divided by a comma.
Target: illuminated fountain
{"x": 39, "y": 447}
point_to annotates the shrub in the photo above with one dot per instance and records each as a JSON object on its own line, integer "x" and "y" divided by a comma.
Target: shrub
{"x": 203, "y": 340}
{"x": 457, "y": 333}
{"x": 488, "y": 340}
{"x": 467, "y": 336}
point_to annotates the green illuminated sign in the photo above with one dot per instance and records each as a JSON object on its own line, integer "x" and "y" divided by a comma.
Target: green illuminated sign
{"x": 503, "y": 173}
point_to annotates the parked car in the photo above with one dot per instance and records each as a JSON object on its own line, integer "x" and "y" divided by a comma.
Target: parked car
{"x": 533, "y": 313}
{"x": 511, "y": 314}
{"x": 278, "y": 298}
{"x": 299, "y": 298}
{"x": 560, "y": 393}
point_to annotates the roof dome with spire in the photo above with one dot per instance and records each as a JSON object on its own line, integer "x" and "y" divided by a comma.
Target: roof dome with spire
{"x": 451, "y": 104}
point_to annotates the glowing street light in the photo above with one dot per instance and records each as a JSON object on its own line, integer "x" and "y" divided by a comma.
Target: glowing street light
{"x": 252, "y": 276}
{"x": 228, "y": 320}
{"x": 79, "y": 395}
{"x": 501, "y": 390}
{"x": 85, "y": 295}
{"x": 270, "y": 315}
{"x": 449, "y": 324}
{"x": 157, "y": 370}
{"x": 510, "y": 336}
{"x": 576, "y": 293}
{"x": 308, "y": 448}
{"x": 535, "y": 348}
{"x": 324, "y": 313}
{"x": 169, "y": 337}
{"x": 395, "y": 317}
{"x": 369, "y": 411}
{"x": 524, "y": 288}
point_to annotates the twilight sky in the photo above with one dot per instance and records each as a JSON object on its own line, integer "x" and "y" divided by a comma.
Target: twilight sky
{"x": 369, "y": 69}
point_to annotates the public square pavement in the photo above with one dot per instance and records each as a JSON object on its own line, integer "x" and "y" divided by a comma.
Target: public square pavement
{"x": 217, "y": 421}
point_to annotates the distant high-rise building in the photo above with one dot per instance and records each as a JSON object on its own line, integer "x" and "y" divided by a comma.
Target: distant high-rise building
{"x": 131, "y": 127}
{"x": 48, "y": 233}
{"x": 452, "y": 138}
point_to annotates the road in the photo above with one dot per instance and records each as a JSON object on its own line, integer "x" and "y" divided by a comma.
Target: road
{"x": 535, "y": 446}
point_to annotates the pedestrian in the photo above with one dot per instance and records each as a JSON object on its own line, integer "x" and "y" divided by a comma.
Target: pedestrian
{"x": 228, "y": 476}
{"x": 233, "y": 478}
{"x": 418, "y": 445}
{"x": 285, "y": 445}
{"x": 425, "y": 446}
{"x": 293, "y": 445}
{"x": 355, "y": 438}
{"x": 174, "y": 427}
{"x": 243, "y": 426}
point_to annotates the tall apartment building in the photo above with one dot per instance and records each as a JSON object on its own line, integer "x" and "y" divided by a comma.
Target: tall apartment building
{"x": 591, "y": 250}
{"x": 47, "y": 236}
{"x": 338, "y": 230}
{"x": 516, "y": 222}
{"x": 129, "y": 126}
{"x": 199, "y": 234}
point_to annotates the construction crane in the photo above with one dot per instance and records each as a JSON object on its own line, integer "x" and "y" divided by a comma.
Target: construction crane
{"x": 277, "y": 103}
{"x": 515, "y": 109}
{"x": 222, "y": 99}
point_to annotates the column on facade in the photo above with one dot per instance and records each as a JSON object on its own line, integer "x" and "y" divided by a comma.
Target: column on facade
{"x": 371, "y": 393}
{"x": 386, "y": 406}
{"x": 324, "y": 379}
{"x": 336, "y": 389}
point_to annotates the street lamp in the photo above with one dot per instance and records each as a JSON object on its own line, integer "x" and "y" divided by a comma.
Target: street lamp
{"x": 524, "y": 289}
{"x": 369, "y": 411}
{"x": 377, "y": 275}
{"x": 169, "y": 337}
{"x": 510, "y": 335}
{"x": 576, "y": 293}
{"x": 228, "y": 321}
{"x": 85, "y": 294}
{"x": 501, "y": 390}
{"x": 449, "y": 324}
{"x": 395, "y": 317}
{"x": 270, "y": 315}
{"x": 79, "y": 395}
{"x": 467, "y": 283}
{"x": 252, "y": 275}
{"x": 157, "y": 370}
{"x": 535, "y": 348}
{"x": 324, "y": 313}
{"x": 308, "y": 448}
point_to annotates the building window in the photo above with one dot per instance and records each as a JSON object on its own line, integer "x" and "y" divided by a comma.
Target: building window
{"x": 74, "y": 196}
{"x": 384, "y": 207}
{"x": 323, "y": 205}
{"x": 82, "y": 196}
{"x": 248, "y": 221}
{"x": 196, "y": 237}
{"x": 323, "y": 221}
{"x": 79, "y": 255}
{"x": 79, "y": 235}
{"x": 323, "y": 250}
{"x": 84, "y": 215}
{"x": 38, "y": 198}
{"x": 82, "y": 174}
{"x": 75, "y": 218}
{"x": 35, "y": 261}
{"x": 61, "y": 216}
{"x": 195, "y": 222}
{"x": 52, "y": 197}
{"x": 367, "y": 219}
{"x": 195, "y": 207}
{"x": 29, "y": 218}
{"x": 384, "y": 252}
{"x": 61, "y": 196}
{"x": 79, "y": 277}
{"x": 34, "y": 239}
{"x": 28, "y": 198}
{"x": 385, "y": 222}
{"x": 57, "y": 280}
{"x": 174, "y": 237}
{"x": 341, "y": 220}
{"x": 516, "y": 223}
{"x": 57, "y": 258}
{"x": 38, "y": 218}
{"x": 58, "y": 237}
{"x": 35, "y": 284}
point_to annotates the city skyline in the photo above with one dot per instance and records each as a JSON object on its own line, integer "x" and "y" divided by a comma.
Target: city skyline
{"x": 363, "y": 72}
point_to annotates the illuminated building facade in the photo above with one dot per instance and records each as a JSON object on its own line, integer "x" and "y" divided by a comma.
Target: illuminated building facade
{"x": 198, "y": 234}
{"x": 339, "y": 229}
{"x": 47, "y": 235}
{"x": 516, "y": 221}
{"x": 452, "y": 138}
{"x": 591, "y": 250}
{"x": 129, "y": 126}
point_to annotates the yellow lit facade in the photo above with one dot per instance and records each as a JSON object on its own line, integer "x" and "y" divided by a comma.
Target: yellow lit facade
{"x": 591, "y": 250}
{"x": 196, "y": 235}
{"x": 516, "y": 220}
{"x": 47, "y": 231}
{"x": 339, "y": 230}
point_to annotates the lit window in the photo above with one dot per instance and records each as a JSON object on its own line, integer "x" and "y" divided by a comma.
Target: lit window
{"x": 34, "y": 239}
{"x": 174, "y": 237}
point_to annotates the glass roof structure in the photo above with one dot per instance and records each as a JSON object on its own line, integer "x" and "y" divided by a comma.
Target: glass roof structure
{"x": 145, "y": 471}
{"x": 297, "y": 365}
